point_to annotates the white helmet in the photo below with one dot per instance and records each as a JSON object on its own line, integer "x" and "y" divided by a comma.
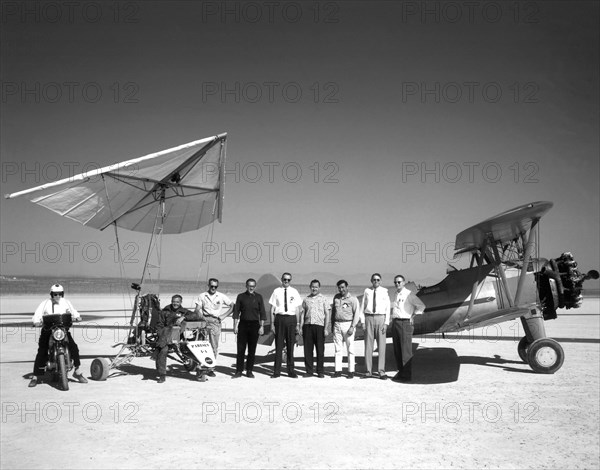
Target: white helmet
{"x": 57, "y": 289}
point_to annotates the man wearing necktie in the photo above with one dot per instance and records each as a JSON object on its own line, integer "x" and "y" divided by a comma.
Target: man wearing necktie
{"x": 285, "y": 312}
{"x": 406, "y": 306}
{"x": 376, "y": 308}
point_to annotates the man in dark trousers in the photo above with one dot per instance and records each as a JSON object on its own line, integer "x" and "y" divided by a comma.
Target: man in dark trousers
{"x": 285, "y": 310}
{"x": 249, "y": 317}
{"x": 56, "y": 304}
{"x": 171, "y": 315}
{"x": 315, "y": 326}
{"x": 406, "y": 305}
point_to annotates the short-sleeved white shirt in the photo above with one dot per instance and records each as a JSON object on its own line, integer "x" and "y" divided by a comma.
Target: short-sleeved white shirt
{"x": 277, "y": 300}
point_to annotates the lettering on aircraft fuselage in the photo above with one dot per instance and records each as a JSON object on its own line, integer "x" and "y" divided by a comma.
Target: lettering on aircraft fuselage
{"x": 430, "y": 290}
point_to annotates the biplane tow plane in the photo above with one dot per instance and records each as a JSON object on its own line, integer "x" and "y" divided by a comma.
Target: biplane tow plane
{"x": 506, "y": 280}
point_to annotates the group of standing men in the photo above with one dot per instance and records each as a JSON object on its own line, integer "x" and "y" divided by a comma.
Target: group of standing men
{"x": 314, "y": 319}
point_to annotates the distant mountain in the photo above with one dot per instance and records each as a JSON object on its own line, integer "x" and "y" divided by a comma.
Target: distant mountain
{"x": 331, "y": 279}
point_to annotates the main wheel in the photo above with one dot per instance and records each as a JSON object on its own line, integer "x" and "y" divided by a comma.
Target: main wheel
{"x": 61, "y": 366}
{"x": 522, "y": 348}
{"x": 545, "y": 356}
{"x": 99, "y": 368}
{"x": 190, "y": 365}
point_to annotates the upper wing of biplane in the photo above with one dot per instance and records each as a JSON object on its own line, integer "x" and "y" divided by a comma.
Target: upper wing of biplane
{"x": 503, "y": 227}
{"x": 188, "y": 179}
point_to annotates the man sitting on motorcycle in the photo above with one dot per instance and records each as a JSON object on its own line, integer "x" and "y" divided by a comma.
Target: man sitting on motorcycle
{"x": 171, "y": 315}
{"x": 56, "y": 304}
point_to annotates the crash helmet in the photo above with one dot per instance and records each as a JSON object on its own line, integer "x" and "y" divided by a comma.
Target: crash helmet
{"x": 57, "y": 289}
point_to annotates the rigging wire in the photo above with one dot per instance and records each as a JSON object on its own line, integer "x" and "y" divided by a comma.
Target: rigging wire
{"x": 208, "y": 242}
{"x": 119, "y": 254}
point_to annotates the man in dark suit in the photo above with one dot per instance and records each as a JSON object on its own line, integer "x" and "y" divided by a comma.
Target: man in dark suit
{"x": 249, "y": 317}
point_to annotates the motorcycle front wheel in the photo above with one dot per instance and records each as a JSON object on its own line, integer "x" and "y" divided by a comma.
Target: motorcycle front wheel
{"x": 62, "y": 371}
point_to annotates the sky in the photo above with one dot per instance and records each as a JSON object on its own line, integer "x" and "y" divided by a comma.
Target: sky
{"x": 362, "y": 135}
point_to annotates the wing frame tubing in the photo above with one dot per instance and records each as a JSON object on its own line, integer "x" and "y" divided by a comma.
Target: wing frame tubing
{"x": 500, "y": 272}
{"x": 116, "y": 166}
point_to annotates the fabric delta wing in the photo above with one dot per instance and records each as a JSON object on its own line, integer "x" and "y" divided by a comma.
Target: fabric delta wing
{"x": 190, "y": 176}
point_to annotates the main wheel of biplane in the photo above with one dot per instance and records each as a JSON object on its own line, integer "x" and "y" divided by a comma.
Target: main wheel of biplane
{"x": 522, "y": 348}
{"x": 99, "y": 368}
{"x": 545, "y": 355}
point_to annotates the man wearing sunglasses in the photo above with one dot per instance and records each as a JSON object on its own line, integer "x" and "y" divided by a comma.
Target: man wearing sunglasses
{"x": 57, "y": 304}
{"x": 344, "y": 317}
{"x": 376, "y": 308}
{"x": 285, "y": 312}
{"x": 209, "y": 305}
{"x": 405, "y": 307}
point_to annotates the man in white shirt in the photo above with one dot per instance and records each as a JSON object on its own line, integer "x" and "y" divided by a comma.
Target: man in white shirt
{"x": 376, "y": 309}
{"x": 405, "y": 307}
{"x": 285, "y": 313}
{"x": 209, "y": 305}
{"x": 54, "y": 305}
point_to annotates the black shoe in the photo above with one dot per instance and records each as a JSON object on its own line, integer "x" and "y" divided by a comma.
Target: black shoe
{"x": 249, "y": 374}
{"x": 336, "y": 375}
{"x": 309, "y": 374}
{"x": 293, "y": 375}
{"x": 321, "y": 375}
{"x": 368, "y": 375}
{"x": 350, "y": 375}
{"x": 34, "y": 381}
{"x": 275, "y": 376}
{"x": 237, "y": 375}
{"x": 162, "y": 379}
{"x": 211, "y": 373}
{"x": 383, "y": 377}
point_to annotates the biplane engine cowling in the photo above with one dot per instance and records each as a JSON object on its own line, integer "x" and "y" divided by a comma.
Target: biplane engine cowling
{"x": 560, "y": 284}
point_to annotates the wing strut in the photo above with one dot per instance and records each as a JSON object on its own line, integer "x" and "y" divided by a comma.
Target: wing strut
{"x": 500, "y": 270}
{"x": 476, "y": 284}
{"x": 529, "y": 247}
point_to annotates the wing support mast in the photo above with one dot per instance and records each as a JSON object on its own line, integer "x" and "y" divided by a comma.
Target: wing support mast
{"x": 154, "y": 248}
{"x": 476, "y": 284}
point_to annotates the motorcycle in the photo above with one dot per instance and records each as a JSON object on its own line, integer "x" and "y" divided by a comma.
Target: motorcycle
{"x": 59, "y": 358}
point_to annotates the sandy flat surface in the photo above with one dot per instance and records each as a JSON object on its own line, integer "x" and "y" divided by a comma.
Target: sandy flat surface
{"x": 474, "y": 404}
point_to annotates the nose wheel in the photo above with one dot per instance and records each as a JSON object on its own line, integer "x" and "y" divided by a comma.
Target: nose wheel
{"x": 100, "y": 368}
